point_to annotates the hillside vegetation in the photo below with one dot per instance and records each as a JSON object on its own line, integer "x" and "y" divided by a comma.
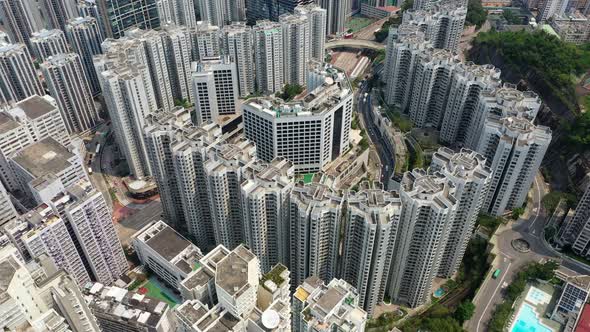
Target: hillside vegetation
{"x": 548, "y": 64}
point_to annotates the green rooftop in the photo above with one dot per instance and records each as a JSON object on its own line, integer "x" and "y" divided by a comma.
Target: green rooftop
{"x": 307, "y": 178}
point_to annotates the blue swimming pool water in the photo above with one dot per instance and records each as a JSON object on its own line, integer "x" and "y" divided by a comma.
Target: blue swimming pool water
{"x": 439, "y": 292}
{"x": 527, "y": 321}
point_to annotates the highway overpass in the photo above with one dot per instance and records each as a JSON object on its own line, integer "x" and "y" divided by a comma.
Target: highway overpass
{"x": 355, "y": 43}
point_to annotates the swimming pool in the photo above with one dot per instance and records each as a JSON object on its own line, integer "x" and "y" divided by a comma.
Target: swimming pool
{"x": 527, "y": 321}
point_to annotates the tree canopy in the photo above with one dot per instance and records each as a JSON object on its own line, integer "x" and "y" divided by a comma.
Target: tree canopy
{"x": 538, "y": 56}
{"x": 290, "y": 91}
{"x": 476, "y": 15}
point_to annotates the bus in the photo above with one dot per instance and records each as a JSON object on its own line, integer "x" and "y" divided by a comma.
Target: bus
{"x": 496, "y": 273}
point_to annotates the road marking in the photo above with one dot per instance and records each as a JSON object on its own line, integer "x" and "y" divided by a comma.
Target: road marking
{"x": 492, "y": 297}
{"x": 539, "y": 200}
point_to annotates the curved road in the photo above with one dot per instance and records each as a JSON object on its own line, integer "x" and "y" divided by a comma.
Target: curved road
{"x": 529, "y": 228}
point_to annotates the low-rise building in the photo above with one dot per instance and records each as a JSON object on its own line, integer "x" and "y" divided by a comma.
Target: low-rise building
{"x": 167, "y": 253}
{"x": 117, "y": 310}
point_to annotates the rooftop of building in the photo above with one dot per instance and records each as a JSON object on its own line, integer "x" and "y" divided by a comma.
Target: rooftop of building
{"x": 198, "y": 278}
{"x": 33, "y": 107}
{"x": 463, "y": 163}
{"x": 334, "y": 89}
{"x": 232, "y": 271}
{"x": 43, "y": 34}
{"x": 192, "y": 311}
{"x": 120, "y": 304}
{"x": 59, "y": 60}
{"x": 44, "y": 157}
{"x": 7, "y": 123}
{"x": 8, "y": 268}
{"x": 332, "y": 304}
{"x": 7, "y": 49}
{"x": 164, "y": 240}
{"x": 81, "y": 22}
{"x": 428, "y": 187}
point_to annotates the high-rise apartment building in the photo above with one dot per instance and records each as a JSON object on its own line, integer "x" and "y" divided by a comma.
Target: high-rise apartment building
{"x": 549, "y": 8}
{"x": 205, "y": 41}
{"x": 337, "y": 13}
{"x": 238, "y": 44}
{"x": 372, "y": 225}
{"x": 160, "y": 132}
{"x": 264, "y": 197}
{"x": 402, "y": 54}
{"x": 122, "y": 15}
{"x": 223, "y": 176}
{"x": 21, "y": 302}
{"x": 468, "y": 83}
{"x": 317, "y": 17}
{"x": 215, "y": 88}
{"x": 130, "y": 98}
{"x": 18, "y": 78}
{"x": 7, "y": 210}
{"x": 269, "y": 56}
{"x": 85, "y": 37}
{"x": 470, "y": 176}
{"x": 17, "y": 17}
{"x": 317, "y": 306}
{"x": 427, "y": 215}
{"x": 69, "y": 301}
{"x": 90, "y": 225}
{"x": 310, "y": 132}
{"x": 154, "y": 45}
{"x": 442, "y": 24}
{"x": 430, "y": 87}
{"x": 177, "y": 12}
{"x": 503, "y": 101}
{"x": 178, "y": 53}
{"x": 46, "y": 167}
{"x": 514, "y": 148}
{"x": 49, "y": 236}
{"x": 89, "y": 8}
{"x": 297, "y": 48}
{"x": 258, "y": 10}
{"x": 29, "y": 121}
{"x": 46, "y": 43}
{"x": 177, "y": 152}
{"x": 578, "y": 230}
{"x": 67, "y": 83}
{"x": 222, "y": 12}
{"x": 315, "y": 213}
{"x": 58, "y": 12}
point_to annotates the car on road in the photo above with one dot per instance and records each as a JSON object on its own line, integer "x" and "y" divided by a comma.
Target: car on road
{"x": 496, "y": 273}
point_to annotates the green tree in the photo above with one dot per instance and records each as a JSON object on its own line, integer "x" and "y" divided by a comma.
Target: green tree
{"x": 290, "y": 91}
{"x": 579, "y": 132}
{"x": 510, "y": 17}
{"x": 476, "y": 15}
{"x": 447, "y": 324}
{"x": 464, "y": 311}
{"x": 517, "y": 212}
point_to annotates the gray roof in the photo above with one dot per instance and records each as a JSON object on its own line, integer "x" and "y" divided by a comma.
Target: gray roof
{"x": 35, "y": 106}
{"x": 6, "y": 123}
{"x": 232, "y": 273}
{"x": 198, "y": 278}
{"x": 330, "y": 299}
{"x": 44, "y": 157}
{"x": 168, "y": 243}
